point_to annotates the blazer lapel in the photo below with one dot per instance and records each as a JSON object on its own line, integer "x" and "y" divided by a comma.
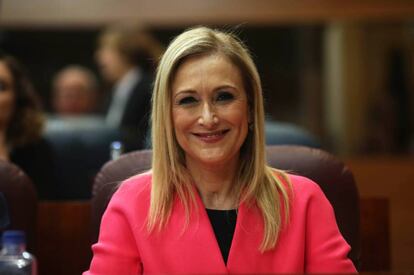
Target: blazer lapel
{"x": 200, "y": 229}
{"x": 247, "y": 238}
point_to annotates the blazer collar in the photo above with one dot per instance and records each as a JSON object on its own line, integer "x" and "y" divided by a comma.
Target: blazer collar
{"x": 247, "y": 234}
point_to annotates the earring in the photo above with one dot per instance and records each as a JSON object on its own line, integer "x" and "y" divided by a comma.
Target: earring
{"x": 251, "y": 126}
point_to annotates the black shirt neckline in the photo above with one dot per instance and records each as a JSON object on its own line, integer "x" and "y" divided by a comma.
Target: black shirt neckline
{"x": 224, "y": 224}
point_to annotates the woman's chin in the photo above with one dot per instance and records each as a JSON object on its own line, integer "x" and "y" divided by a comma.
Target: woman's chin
{"x": 218, "y": 160}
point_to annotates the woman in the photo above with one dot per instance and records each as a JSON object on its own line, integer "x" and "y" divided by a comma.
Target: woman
{"x": 126, "y": 57}
{"x": 210, "y": 203}
{"x": 21, "y": 124}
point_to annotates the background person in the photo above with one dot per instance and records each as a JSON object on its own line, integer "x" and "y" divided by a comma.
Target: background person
{"x": 21, "y": 125}
{"x": 210, "y": 204}
{"x": 126, "y": 57}
{"x": 75, "y": 91}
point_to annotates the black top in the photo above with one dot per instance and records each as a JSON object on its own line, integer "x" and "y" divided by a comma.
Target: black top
{"x": 224, "y": 223}
{"x": 36, "y": 161}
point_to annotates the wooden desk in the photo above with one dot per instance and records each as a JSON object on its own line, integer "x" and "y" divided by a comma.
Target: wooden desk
{"x": 63, "y": 237}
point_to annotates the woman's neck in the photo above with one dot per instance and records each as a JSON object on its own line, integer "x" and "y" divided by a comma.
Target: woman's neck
{"x": 215, "y": 184}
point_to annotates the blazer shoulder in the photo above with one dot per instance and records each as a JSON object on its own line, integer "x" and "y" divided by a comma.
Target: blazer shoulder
{"x": 305, "y": 187}
{"x": 136, "y": 185}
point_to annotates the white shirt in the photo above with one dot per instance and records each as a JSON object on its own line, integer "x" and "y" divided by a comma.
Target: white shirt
{"x": 122, "y": 93}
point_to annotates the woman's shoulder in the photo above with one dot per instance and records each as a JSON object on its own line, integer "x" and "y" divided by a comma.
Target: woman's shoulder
{"x": 137, "y": 184}
{"x": 304, "y": 187}
{"x": 296, "y": 182}
{"x": 307, "y": 194}
{"x": 133, "y": 194}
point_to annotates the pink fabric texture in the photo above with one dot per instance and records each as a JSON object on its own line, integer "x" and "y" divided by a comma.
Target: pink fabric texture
{"x": 310, "y": 243}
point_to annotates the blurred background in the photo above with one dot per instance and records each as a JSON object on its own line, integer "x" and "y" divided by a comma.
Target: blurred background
{"x": 341, "y": 71}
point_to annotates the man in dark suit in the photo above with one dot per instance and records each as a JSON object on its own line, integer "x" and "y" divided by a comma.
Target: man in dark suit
{"x": 126, "y": 57}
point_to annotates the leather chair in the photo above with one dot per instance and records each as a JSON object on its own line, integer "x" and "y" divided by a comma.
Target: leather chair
{"x": 283, "y": 133}
{"x": 21, "y": 200}
{"x": 80, "y": 147}
{"x": 334, "y": 178}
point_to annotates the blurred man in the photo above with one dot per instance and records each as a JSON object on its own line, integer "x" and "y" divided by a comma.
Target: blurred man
{"x": 126, "y": 56}
{"x": 75, "y": 91}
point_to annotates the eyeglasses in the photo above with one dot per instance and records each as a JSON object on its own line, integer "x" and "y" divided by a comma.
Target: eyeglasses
{"x": 4, "y": 86}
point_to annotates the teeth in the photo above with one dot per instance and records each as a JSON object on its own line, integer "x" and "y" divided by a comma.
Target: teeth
{"x": 211, "y": 135}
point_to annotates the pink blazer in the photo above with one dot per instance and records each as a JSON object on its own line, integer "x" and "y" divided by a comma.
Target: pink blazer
{"x": 311, "y": 243}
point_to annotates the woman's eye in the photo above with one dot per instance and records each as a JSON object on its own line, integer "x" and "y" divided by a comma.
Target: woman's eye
{"x": 224, "y": 96}
{"x": 187, "y": 100}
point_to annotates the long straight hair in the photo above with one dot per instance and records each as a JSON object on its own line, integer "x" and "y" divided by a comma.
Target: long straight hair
{"x": 257, "y": 183}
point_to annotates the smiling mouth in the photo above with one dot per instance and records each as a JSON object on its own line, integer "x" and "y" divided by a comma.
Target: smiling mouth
{"x": 212, "y": 136}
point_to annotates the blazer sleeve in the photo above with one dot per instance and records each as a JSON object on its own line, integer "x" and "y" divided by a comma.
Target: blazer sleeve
{"x": 116, "y": 251}
{"x": 326, "y": 249}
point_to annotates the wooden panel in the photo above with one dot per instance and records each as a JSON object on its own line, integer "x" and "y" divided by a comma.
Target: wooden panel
{"x": 63, "y": 242}
{"x": 375, "y": 235}
{"x": 184, "y": 12}
{"x": 391, "y": 178}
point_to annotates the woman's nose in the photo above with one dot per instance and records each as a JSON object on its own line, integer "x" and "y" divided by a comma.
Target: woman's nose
{"x": 208, "y": 117}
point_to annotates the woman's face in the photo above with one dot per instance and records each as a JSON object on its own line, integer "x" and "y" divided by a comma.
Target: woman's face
{"x": 6, "y": 95}
{"x": 111, "y": 64}
{"x": 209, "y": 110}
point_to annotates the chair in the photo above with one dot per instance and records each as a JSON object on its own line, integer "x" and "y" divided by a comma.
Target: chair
{"x": 283, "y": 133}
{"x": 334, "y": 178}
{"x": 80, "y": 146}
{"x": 21, "y": 199}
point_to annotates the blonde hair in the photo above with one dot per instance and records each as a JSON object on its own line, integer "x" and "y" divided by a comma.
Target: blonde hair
{"x": 257, "y": 183}
{"x": 133, "y": 42}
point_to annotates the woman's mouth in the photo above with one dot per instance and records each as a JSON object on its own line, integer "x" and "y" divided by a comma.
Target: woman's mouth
{"x": 212, "y": 137}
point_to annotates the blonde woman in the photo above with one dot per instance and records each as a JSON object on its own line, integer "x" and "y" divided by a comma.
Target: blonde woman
{"x": 210, "y": 204}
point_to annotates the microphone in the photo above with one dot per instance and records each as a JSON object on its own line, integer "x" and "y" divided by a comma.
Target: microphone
{"x": 4, "y": 213}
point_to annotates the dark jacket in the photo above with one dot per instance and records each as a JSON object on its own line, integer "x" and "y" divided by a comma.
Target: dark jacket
{"x": 136, "y": 118}
{"x": 36, "y": 160}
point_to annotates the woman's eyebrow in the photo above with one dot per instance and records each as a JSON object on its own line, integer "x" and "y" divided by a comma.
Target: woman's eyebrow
{"x": 190, "y": 91}
{"x": 185, "y": 92}
{"x": 226, "y": 87}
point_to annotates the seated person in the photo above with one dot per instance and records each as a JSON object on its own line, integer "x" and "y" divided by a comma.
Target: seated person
{"x": 21, "y": 124}
{"x": 75, "y": 91}
{"x": 210, "y": 204}
{"x": 126, "y": 56}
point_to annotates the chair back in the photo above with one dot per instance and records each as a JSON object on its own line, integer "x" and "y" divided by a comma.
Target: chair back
{"x": 21, "y": 201}
{"x": 334, "y": 178}
{"x": 80, "y": 147}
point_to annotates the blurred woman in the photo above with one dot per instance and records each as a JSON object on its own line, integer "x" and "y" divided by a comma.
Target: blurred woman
{"x": 126, "y": 57}
{"x": 21, "y": 124}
